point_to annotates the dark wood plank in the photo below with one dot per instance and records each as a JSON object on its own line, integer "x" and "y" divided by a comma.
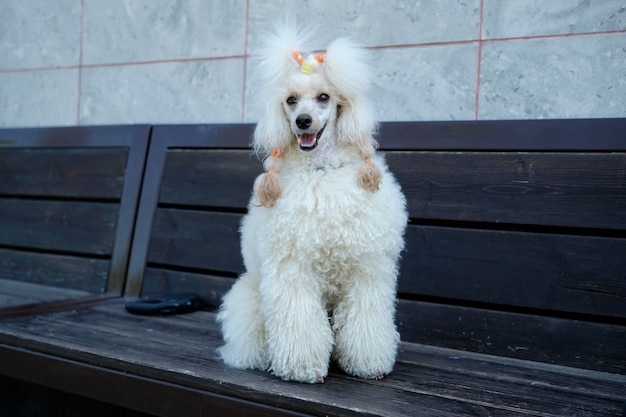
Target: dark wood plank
{"x": 556, "y": 189}
{"x": 214, "y": 136}
{"x": 531, "y": 270}
{"x": 197, "y": 239}
{"x": 605, "y": 134}
{"x": 180, "y": 350}
{"x": 581, "y": 344}
{"x": 75, "y": 136}
{"x": 200, "y": 177}
{"x": 158, "y": 282}
{"x": 79, "y": 173}
{"x": 581, "y": 274}
{"x": 76, "y": 227}
{"x": 86, "y": 274}
{"x": 16, "y": 293}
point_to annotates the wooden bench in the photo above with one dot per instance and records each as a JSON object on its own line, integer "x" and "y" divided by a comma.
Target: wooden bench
{"x": 512, "y": 293}
{"x": 68, "y": 201}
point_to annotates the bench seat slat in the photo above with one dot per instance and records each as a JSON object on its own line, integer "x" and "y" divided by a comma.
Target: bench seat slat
{"x": 534, "y": 270}
{"x": 68, "y": 226}
{"x": 151, "y": 346}
{"x": 18, "y": 293}
{"x": 96, "y": 173}
{"x": 80, "y": 273}
{"x": 557, "y": 189}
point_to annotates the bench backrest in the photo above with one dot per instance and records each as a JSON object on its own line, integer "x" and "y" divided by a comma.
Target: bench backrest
{"x": 68, "y": 200}
{"x": 515, "y": 244}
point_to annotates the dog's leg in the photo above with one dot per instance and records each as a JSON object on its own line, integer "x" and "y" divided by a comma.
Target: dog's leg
{"x": 365, "y": 334}
{"x": 299, "y": 336}
{"x": 242, "y": 326}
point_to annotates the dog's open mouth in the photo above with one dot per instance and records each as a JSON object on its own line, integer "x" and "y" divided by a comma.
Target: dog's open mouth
{"x": 308, "y": 141}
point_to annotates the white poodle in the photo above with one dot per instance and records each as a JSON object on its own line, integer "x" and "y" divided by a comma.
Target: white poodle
{"x": 325, "y": 226}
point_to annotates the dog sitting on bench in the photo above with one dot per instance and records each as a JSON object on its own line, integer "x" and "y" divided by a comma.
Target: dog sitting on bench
{"x": 325, "y": 225}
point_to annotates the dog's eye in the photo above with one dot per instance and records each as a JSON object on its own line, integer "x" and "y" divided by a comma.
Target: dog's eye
{"x": 323, "y": 98}
{"x": 292, "y": 100}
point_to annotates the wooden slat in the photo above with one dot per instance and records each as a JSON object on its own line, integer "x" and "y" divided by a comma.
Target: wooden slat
{"x": 79, "y": 173}
{"x": 158, "y": 282}
{"x": 197, "y": 239}
{"x": 77, "y": 227}
{"x": 604, "y": 134}
{"x": 580, "y": 344}
{"x": 86, "y": 274}
{"x": 432, "y": 382}
{"x": 556, "y": 189}
{"x": 220, "y": 178}
{"x": 530, "y": 270}
{"x": 15, "y": 293}
{"x": 579, "y": 274}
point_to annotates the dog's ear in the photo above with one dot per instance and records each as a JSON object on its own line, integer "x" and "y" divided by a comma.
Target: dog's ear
{"x": 347, "y": 68}
{"x": 274, "y": 62}
{"x": 355, "y": 121}
{"x": 272, "y": 131}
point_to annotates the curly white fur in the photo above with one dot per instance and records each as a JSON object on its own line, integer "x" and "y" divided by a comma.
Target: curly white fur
{"x": 321, "y": 257}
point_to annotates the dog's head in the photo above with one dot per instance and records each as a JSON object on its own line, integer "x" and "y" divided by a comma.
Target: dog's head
{"x": 311, "y": 102}
{"x": 308, "y": 95}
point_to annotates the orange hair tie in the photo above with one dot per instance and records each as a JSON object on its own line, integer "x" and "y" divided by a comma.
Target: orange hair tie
{"x": 276, "y": 153}
{"x": 368, "y": 161}
{"x": 298, "y": 57}
{"x": 320, "y": 58}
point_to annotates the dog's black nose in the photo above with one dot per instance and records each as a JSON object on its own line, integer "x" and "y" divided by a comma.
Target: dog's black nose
{"x": 303, "y": 121}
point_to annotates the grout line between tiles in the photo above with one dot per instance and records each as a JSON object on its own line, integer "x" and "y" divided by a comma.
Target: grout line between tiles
{"x": 80, "y": 62}
{"x": 245, "y": 63}
{"x": 479, "y": 60}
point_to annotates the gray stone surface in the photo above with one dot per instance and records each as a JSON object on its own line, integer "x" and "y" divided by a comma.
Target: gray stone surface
{"x": 177, "y": 92}
{"x": 516, "y": 18}
{"x": 39, "y": 98}
{"x": 583, "y": 76}
{"x": 426, "y": 83}
{"x": 39, "y": 33}
{"x": 147, "y": 30}
{"x": 373, "y": 23}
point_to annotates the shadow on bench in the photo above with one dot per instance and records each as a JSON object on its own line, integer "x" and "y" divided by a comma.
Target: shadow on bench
{"x": 512, "y": 293}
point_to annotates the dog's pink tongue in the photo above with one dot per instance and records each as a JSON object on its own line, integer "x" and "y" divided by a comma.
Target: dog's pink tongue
{"x": 307, "y": 139}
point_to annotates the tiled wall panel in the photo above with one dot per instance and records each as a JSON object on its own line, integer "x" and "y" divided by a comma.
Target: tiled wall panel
{"x": 68, "y": 62}
{"x": 147, "y": 30}
{"x": 515, "y": 18}
{"x": 170, "y": 92}
{"x": 548, "y": 78}
{"x": 39, "y": 33}
{"x": 38, "y": 98}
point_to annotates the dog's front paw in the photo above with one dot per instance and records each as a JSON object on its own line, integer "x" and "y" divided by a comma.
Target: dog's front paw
{"x": 367, "y": 357}
{"x": 302, "y": 374}
{"x": 308, "y": 362}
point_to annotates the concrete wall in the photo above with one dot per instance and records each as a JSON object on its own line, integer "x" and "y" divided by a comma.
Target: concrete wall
{"x": 85, "y": 62}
